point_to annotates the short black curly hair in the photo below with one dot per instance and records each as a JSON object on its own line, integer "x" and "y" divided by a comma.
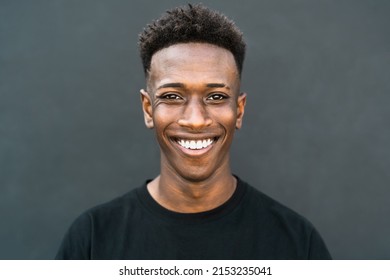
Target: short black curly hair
{"x": 192, "y": 23}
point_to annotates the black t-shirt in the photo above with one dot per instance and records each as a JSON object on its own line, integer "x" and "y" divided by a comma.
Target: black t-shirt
{"x": 250, "y": 225}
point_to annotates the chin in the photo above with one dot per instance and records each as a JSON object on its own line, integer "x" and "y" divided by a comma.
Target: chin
{"x": 195, "y": 175}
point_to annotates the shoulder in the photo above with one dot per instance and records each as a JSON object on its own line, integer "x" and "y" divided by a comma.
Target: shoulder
{"x": 260, "y": 203}
{"x": 113, "y": 212}
{"x": 263, "y": 204}
{"x": 119, "y": 204}
{"x": 284, "y": 226}
{"x": 104, "y": 218}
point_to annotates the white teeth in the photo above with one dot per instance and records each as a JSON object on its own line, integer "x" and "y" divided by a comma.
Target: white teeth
{"x": 195, "y": 145}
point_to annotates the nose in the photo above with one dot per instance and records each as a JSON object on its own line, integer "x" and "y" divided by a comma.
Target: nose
{"x": 195, "y": 115}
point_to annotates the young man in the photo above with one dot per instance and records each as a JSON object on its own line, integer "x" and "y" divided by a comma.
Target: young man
{"x": 195, "y": 208}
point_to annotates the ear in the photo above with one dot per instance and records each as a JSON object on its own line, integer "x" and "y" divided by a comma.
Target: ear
{"x": 147, "y": 108}
{"x": 241, "y": 101}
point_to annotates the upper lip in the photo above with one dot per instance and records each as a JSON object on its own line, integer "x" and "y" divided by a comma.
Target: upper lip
{"x": 194, "y": 137}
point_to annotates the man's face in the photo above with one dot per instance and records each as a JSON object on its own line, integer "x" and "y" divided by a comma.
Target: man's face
{"x": 194, "y": 105}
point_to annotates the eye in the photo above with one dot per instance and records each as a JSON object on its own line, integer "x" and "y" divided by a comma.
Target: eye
{"x": 170, "y": 96}
{"x": 216, "y": 97}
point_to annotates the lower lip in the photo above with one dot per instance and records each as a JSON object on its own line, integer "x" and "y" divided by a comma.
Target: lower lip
{"x": 194, "y": 152}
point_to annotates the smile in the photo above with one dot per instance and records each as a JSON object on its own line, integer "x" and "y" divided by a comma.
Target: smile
{"x": 195, "y": 144}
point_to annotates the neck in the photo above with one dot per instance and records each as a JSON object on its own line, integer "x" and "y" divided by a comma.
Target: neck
{"x": 184, "y": 195}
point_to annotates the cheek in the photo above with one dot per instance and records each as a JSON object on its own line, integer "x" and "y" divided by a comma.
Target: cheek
{"x": 226, "y": 116}
{"x": 162, "y": 116}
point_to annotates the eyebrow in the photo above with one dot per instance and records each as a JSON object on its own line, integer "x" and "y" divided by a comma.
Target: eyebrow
{"x": 171, "y": 85}
{"x": 181, "y": 85}
{"x": 217, "y": 85}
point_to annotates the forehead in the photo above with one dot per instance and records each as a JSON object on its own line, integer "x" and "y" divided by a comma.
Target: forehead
{"x": 193, "y": 63}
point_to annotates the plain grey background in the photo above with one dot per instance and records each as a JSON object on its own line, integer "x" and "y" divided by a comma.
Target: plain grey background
{"x": 316, "y": 130}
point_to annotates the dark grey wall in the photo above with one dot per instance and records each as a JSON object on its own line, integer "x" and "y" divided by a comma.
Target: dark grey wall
{"x": 316, "y": 134}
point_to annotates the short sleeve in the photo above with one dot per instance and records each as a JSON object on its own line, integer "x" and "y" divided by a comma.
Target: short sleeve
{"x": 317, "y": 247}
{"x": 76, "y": 244}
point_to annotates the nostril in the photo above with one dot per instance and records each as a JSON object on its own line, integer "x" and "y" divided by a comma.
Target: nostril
{"x": 195, "y": 122}
{"x": 195, "y": 115}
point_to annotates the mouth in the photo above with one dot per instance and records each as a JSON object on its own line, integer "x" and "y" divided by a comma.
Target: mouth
{"x": 195, "y": 147}
{"x": 195, "y": 144}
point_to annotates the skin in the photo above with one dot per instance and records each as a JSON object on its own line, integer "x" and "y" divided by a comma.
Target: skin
{"x": 193, "y": 93}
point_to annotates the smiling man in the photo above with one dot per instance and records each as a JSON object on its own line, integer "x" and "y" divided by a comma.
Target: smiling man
{"x": 195, "y": 208}
{"x": 194, "y": 105}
